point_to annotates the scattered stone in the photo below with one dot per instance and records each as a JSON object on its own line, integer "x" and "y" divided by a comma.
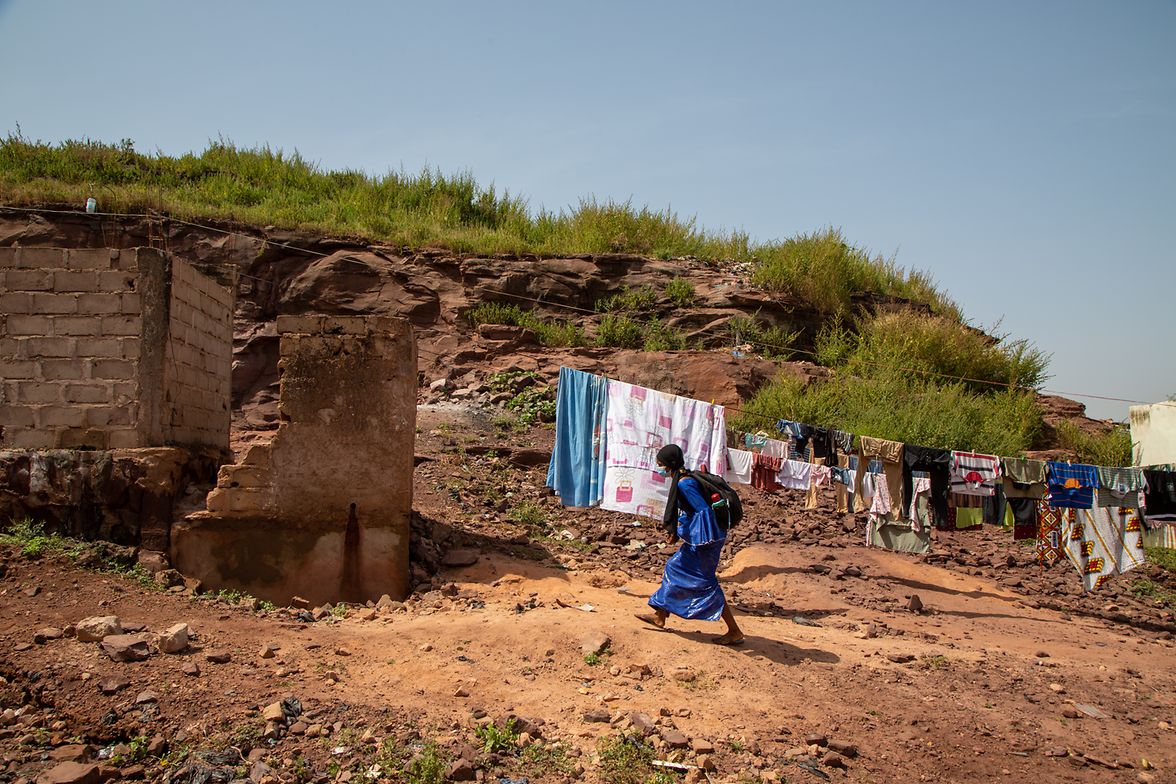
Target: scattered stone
{"x": 169, "y": 578}
{"x": 175, "y": 639}
{"x": 131, "y": 773}
{"x": 459, "y": 557}
{"x": 674, "y": 739}
{"x": 684, "y": 675}
{"x": 126, "y": 647}
{"x": 342, "y": 652}
{"x": 462, "y": 770}
{"x": 847, "y": 750}
{"x": 852, "y": 571}
{"x": 598, "y": 716}
{"x": 369, "y": 615}
{"x": 1042, "y": 655}
{"x": 642, "y": 723}
{"x": 97, "y": 628}
{"x": 300, "y": 603}
{"x": 153, "y": 561}
{"x": 1089, "y": 710}
{"x": 1057, "y": 688}
{"x": 219, "y": 658}
{"x": 113, "y": 685}
{"x": 595, "y": 644}
{"x": 42, "y": 636}
{"x": 900, "y": 658}
{"x": 833, "y": 760}
{"x": 267, "y": 651}
{"x": 31, "y": 592}
{"x": 273, "y": 712}
{"x": 73, "y": 752}
{"x": 191, "y": 669}
{"x": 915, "y": 604}
{"x": 70, "y": 773}
{"x": 1070, "y": 713}
{"x": 157, "y": 746}
{"x": 299, "y": 728}
{"x": 700, "y": 746}
{"x": 425, "y": 648}
{"x": 816, "y": 739}
{"x": 146, "y": 697}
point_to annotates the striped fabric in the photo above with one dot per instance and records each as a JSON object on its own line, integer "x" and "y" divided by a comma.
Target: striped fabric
{"x": 974, "y": 474}
{"x": 1071, "y": 485}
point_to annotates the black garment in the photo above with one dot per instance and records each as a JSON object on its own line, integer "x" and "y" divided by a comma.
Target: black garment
{"x": 994, "y": 507}
{"x": 842, "y": 440}
{"x": 1024, "y": 517}
{"x": 1160, "y": 498}
{"x": 937, "y": 464}
{"x": 672, "y": 458}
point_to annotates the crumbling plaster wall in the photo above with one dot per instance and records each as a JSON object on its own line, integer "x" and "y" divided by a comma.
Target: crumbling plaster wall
{"x": 323, "y": 510}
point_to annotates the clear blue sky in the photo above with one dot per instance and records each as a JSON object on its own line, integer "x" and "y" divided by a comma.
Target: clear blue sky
{"x": 1023, "y": 153}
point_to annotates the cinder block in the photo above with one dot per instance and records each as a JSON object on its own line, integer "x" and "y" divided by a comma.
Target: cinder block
{"x": 89, "y": 393}
{"x": 299, "y": 325}
{"x": 116, "y": 281}
{"x": 62, "y": 369}
{"x": 100, "y": 303}
{"x": 112, "y": 369}
{"x": 88, "y": 259}
{"x": 33, "y": 438}
{"x": 132, "y": 303}
{"x": 28, "y": 280}
{"x": 77, "y": 437}
{"x": 105, "y": 416}
{"x": 17, "y": 416}
{"x": 38, "y": 392}
{"x": 61, "y": 416}
{"x": 51, "y": 347}
{"x": 130, "y": 348}
{"x": 88, "y": 326}
{"x": 16, "y": 302}
{"x": 100, "y": 347}
{"x": 86, "y": 281}
{"x": 129, "y": 326}
{"x": 39, "y": 326}
{"x": 54, "y": 303}
{"x": 123, "y": 438}
{"x": 18, "y": 368}
{"x": 32, "y": 258}
{"x": 8, "y": 257}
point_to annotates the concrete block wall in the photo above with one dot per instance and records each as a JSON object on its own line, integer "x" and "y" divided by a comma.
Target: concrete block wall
{"x": 70, "y": 342}
{"x": 198, "y": 362}
{"x": 85, "y": 337}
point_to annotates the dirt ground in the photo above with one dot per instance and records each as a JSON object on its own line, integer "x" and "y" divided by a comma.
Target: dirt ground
{"x": 1006, "y": 673}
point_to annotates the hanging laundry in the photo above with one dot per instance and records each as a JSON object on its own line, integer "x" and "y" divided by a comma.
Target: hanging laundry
{"x": 775, "y": 448}
{"x": 937, "y": 465}
{"x": 974, "y": 474}
{"x": 898, "y": 535}
{"x": 995, "y": 507}
{"x": 1102, "y": 542}
{"x": 1162, "y": 535}
{"x": 755, "y": 441}
{"x": 641, "y": 421}
{"x": 1023, "y": 478}
{"x": 576, "y": 469}
{"x": 1160, "y": 498}
{"x": 1050, "y": 521}
{"x": 919, "y": 510}
{"x": 1118, "y": 487}
{"x": 842, "y": 440}
{"x": 890, "y": 453}
{"x": 820, "y": 477}
{"x": 1071, "y": 485}
{"x": 1024, "y": 518}
{"x": 795, "y": 475}
{"x": 843, "y": 482}
{"x": 763, "y": 472}
{"x": 739, "y": 463}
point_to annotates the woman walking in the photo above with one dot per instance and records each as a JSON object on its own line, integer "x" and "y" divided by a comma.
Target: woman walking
{"x": 690, "y": 588}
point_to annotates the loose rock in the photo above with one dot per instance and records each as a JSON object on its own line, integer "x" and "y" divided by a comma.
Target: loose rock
{"x": 175, "y": 639}
{"x": 97, "y": 628}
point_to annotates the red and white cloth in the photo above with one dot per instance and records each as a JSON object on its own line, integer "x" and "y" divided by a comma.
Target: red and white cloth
{"x": 974, "y": 474}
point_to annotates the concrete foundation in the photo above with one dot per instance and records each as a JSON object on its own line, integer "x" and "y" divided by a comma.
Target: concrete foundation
{"x": 323, "y": 510}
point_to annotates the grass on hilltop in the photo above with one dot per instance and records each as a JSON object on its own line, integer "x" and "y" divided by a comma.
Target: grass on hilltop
{"x": 262, "y": 186}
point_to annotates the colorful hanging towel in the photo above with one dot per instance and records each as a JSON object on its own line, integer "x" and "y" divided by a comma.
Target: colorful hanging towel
{"x": 763, "y": 472}
{"x": 576, "y": 469}
{"x": 1160, "y": 498}
{"x": 1119, "y": 487}
{"x": 1102, "y": 542}
{"x": 1071, "y": 485}
{"x": 641, "y": 421}
{"x": 795, "y": 475}
{"x": 1049, "y": 532}
{"x": 974, "y": 474}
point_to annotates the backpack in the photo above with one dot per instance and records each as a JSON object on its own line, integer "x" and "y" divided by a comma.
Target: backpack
{"x": 725, "y": 503}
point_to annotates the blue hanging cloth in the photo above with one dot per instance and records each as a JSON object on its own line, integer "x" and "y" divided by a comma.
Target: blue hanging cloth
{"x": 576, "y": 470}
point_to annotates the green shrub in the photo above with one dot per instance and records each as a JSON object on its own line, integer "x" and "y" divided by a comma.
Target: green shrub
{"x": 498, "y": 739}
{"x": 529, "y": 515}
{"x": 1111, "y": 448}
{"x": 895, "y": 406}
{"x": 429, "y": 766}
{"x": 659, "y": 337}
{"x": 533, "y": 405}
{"x": 680, "y": 292}
{"x": 626, "y": 759}
{"x": 555, "y": 333}
{"x": 769, "y": 341}
{"x": 629, "y": 300}
{"x": 620, "y": 332}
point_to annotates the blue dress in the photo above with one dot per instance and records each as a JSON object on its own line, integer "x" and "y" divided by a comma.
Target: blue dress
{"x": 690, "y": 589}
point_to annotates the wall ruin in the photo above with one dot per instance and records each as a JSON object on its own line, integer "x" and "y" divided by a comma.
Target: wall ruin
{"x": 323, "y": 510}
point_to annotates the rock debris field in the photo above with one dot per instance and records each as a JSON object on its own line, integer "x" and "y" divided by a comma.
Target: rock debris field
{"x": 517, "y": 657}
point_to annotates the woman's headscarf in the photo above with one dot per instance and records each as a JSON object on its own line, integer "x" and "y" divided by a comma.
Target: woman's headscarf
{"x": 672, "y": 458}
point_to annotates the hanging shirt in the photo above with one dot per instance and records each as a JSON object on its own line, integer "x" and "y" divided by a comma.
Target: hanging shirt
{"x": 974, "y": 474}
{"x": 795, "y": 475}
{"x": 1102, "y": 542}
{"x": 1049, "y": 532}
{"x": 739, "y": 463}
{"x": 1160, "y": 498}
{"x": 1023, "y": 478}
{"x": 1118, "y": 487}
{"x": 641, "y": 421}
{"x": 775, "y": 448}
{"x": 763, "y": 472}
{"x": 576, "y": 470}
{"x": 936, "y": 463}
{"x": 1071, "y": 485}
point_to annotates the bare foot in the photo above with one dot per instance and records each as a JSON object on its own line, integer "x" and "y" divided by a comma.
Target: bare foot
{"x": 729, "y": 639}
{"x": 651, "y": 619}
